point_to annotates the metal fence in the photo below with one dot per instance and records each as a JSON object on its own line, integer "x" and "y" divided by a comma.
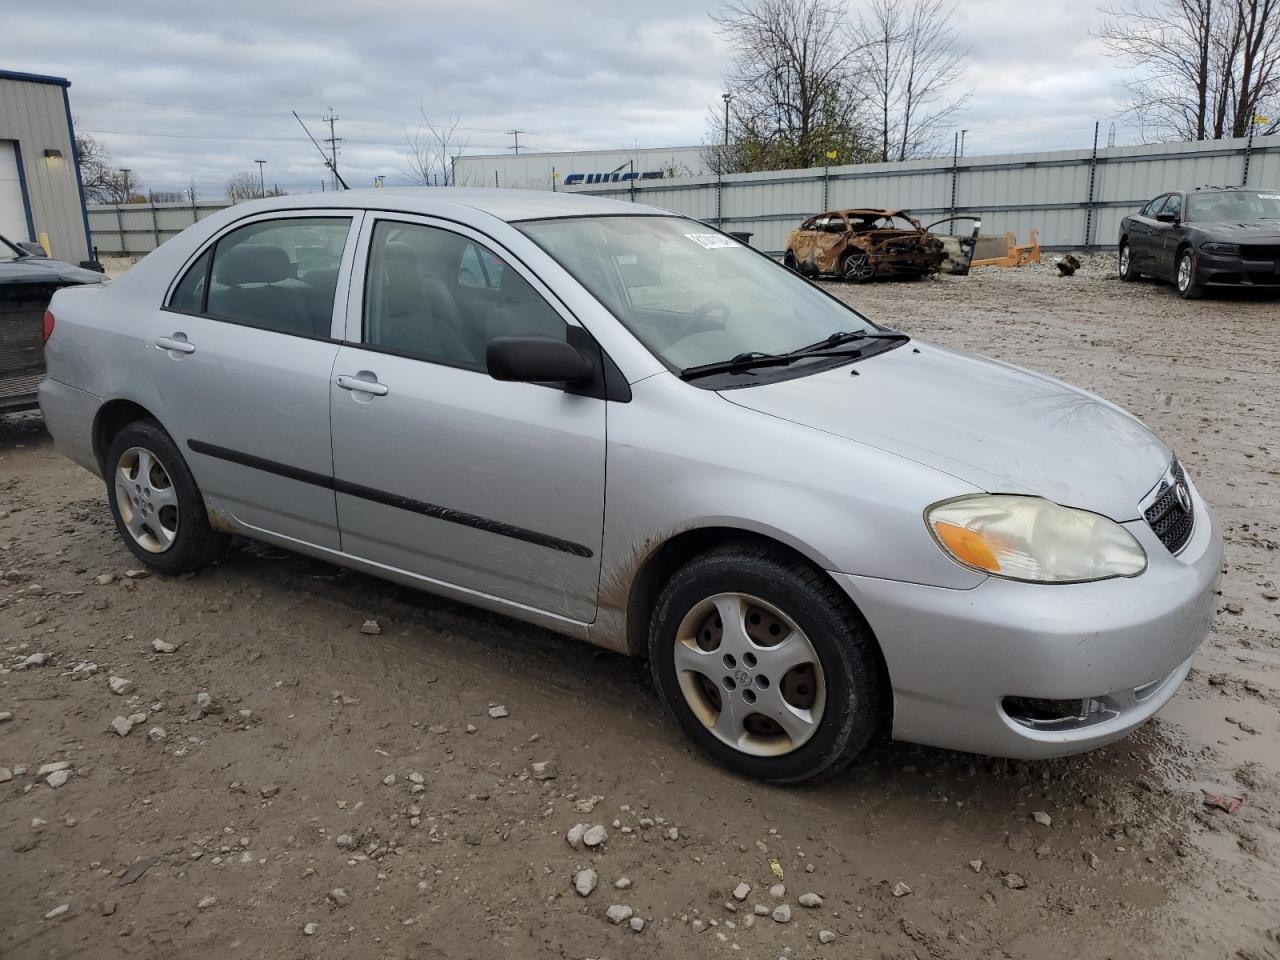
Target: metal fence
{"x": 1074, "y": 198}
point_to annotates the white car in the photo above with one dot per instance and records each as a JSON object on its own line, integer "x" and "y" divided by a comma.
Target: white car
{"x": 627, "y": 427}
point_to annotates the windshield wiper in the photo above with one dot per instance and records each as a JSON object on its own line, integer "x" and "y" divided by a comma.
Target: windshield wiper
{"x": 824, "y": 348}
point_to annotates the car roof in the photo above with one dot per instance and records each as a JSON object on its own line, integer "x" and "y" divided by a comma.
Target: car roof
{"x": 508, "y": 205}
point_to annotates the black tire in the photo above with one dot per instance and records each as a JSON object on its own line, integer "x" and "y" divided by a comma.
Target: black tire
{"x": 195, "y": 544}
{"x": 1186, "y": 284}
{"x": 1124, "y": 264}
{"x": 855, "y": 694}
{"x": 789, "y": 261}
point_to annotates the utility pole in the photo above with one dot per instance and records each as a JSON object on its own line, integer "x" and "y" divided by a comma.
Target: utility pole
{"x": 516, "y": 144}
{"x": 962, "y": 133}
{"x": 333, "y": 142}
{"x": 262, "y": 178}
{"x": 124, "y": 172}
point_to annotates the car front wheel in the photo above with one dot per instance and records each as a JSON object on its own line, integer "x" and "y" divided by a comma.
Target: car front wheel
{"x": 765, "y": 665}
{"x": 856, "y": 267}
{"x": 1186, "y": 276}
{"x": 1127, "y": 273}
{"x": 156, "y": 505}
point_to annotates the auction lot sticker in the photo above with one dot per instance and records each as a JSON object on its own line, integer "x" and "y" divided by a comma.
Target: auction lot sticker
{"x": 711, "y": 241}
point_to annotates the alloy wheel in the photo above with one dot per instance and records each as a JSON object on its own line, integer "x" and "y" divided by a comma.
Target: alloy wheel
{"x": 749, "y": 674}
{"x": 1184, "y": 272}
{"x": 1124, "y": 260}
{"x": 146, "y": 499}
{"x": 857, "y": 267}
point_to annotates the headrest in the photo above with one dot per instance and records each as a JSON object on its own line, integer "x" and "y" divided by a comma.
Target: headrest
{"x": 252, "y": 263}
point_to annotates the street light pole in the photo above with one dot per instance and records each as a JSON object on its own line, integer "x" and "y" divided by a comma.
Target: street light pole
{"x": 726, "y": 97}
{"x": 125, "y": 171}
{"x": 262, "y": 179}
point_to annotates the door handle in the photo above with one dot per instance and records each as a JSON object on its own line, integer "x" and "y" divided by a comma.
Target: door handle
{"x": 178, "y": 343}
{"x": 361, "y": 385}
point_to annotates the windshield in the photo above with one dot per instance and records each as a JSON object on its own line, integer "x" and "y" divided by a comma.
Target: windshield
{"x": 8, "y": 251}
{"x": 689, "y": 294}
{"x": 1238, "y": 205}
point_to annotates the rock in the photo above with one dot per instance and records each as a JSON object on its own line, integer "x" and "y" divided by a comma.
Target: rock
{"x": 6, "y": 716}
{"x": 637, "y": 924}
{"x": 58, "y": 911}
{"x": 122, "y": 726}
{"x": 595, "y": 836}
{"x": 1234, "y": 607}
{"x": 1014, "y": 882}
{"x": 310, "y": 929}
{"x": 574, "y": 836}
{"x": 269, "y": 791}
{"x": 83, "y": 670}
{"x": 206, "y": 902}
{"x": 371, "y": 627}
{"x": 339, "y": 897}
{"x": 622, "y": 883}
{"x": 778, "y": 891}
{"x": 472, "y": 728}
{"x": 975, "y": 866}
{"x": 498, "y": 712}
{"x": 1092, "y": 860}
{"x": 417, "y": 778}
{"x": 58, "y": 778}
{"x": 1042, "y": 818}
{"x": 346, "y": 841}
{"x": 810, "y": 900}
{"x": 136, "y": 574}
{"x": 156, "y": 734}
{"x": 1067, "y": 265}
{"x": 439, "y": 729}
{"x": 741, "y": 891}
{"x": 54, "y": 767}
{"x": 673, "y": 834}
{"x": 618, "y": 912}
{"x": 782, "y": 913}
{"x": 389, "y": 780}
{"x": 5, "y": 774}
{"x": 826, "y": 936}
{"x": 162, "y": 646}
{"x": 544, "y": 770}
{"x": 119, "y": 685}
{"x": 104, "y": 578}
{"x": 584, "y": 881}
{"x": 900, "y": 889}
{"x": 760, "y": 910}
{"x": 35, "y": 660}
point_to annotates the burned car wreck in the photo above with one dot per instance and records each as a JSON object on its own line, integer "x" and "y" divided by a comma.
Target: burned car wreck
{"x": 865, "y": 244}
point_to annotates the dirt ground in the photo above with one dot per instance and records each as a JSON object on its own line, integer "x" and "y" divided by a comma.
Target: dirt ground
{"x": 251, "y": 801}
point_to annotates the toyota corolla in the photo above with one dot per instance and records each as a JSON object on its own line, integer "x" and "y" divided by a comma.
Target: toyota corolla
{"x": 622, "y": 425}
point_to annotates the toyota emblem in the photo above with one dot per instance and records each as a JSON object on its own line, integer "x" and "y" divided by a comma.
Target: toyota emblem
{"x": 1184, "y": 496}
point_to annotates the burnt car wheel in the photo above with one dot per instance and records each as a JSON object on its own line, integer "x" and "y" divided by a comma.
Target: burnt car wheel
{"x": 765, "y": 665}
{"x": 789, "y": 261}
{"x": 1125, "y": 265}
{"x": 856, "y": 267}
{"x": 1186, "y": 276}
{"x": 155, "y": 503}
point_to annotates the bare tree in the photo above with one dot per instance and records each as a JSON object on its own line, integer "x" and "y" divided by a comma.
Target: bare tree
{"x": 102, "y": 182}
{"x": 792, "y": 84}
{"x": 433, "y": 147}
{"x": 166, "y": 196}
{"x": 248, "y": 186}
{"x": 912, "y": 76}
{"x": 1208, "y": 67}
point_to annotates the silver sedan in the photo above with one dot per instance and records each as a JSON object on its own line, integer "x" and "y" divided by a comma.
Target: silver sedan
{"x": 625, "y": 426}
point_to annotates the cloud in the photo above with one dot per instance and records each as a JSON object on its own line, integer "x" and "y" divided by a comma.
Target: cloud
{"x": 184, "y": 93}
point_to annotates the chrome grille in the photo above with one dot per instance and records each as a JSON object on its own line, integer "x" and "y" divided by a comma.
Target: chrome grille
{"x": 1172, "y": 513}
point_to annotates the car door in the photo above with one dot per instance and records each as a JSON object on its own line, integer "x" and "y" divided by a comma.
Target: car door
{"x": 440, "y": 470}
{"x": 242, "y": 357}
{"x": 829, "y": 242}
{"x": 1170, "y": 234}
{"x": 1142, "y": 234}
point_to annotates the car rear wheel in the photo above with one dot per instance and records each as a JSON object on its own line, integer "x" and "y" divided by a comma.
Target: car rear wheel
{"x": 765, "y": 665}
{"x": 1186, "y": 276}
{"x": 1127, "y": 273}
{"x": 856, "y": 267}
{"x": 155, "y": 503}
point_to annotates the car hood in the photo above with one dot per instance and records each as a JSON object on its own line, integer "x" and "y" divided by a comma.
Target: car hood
{"x": 997, "y": 427}
{"x": 41, "y": 270}
{"x": 1237, "y": 232}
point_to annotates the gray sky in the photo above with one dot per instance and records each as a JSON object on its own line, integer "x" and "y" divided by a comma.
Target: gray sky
{"x": 197, "y": 91}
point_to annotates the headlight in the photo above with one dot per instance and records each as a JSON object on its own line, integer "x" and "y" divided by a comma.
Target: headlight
{"x": 1027, "y": 538}
{"x": 1221, "y": 249}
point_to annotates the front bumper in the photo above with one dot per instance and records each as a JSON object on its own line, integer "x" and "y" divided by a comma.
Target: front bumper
{"x": 1219, "y": 271}
{"x": 954, "y": 656}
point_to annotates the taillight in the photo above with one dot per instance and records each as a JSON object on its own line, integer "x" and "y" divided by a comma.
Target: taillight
{"x": 48, "y": 325}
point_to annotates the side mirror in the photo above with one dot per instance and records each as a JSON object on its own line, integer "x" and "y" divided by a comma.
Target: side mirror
{"x": 533, "y": 359}
{"x": 1167, "y": 217}
{"x": 32, "y": 249}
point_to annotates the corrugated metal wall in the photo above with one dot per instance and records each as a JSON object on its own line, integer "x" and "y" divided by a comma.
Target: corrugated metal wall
{"x": 1046, "y": 191}
{"x": 1018, "y": 192}
{"x": 34, "y": 115}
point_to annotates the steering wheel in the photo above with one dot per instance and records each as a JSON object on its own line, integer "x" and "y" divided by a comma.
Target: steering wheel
{"x": 711, "y": 306}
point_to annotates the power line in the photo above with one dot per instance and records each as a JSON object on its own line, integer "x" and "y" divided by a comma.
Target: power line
{"x": 333, "y": 142}
{"x": 516, "y": 145}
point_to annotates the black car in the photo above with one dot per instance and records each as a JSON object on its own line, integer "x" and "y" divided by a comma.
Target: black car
{"x": 27, "y": 281}
{"x": 1206, "y": 237}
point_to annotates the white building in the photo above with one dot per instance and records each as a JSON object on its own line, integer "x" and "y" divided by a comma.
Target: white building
{"x": 554, "y": 171}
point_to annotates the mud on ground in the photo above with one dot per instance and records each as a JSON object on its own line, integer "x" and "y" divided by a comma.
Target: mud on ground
{"x": 212, "y": 828}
